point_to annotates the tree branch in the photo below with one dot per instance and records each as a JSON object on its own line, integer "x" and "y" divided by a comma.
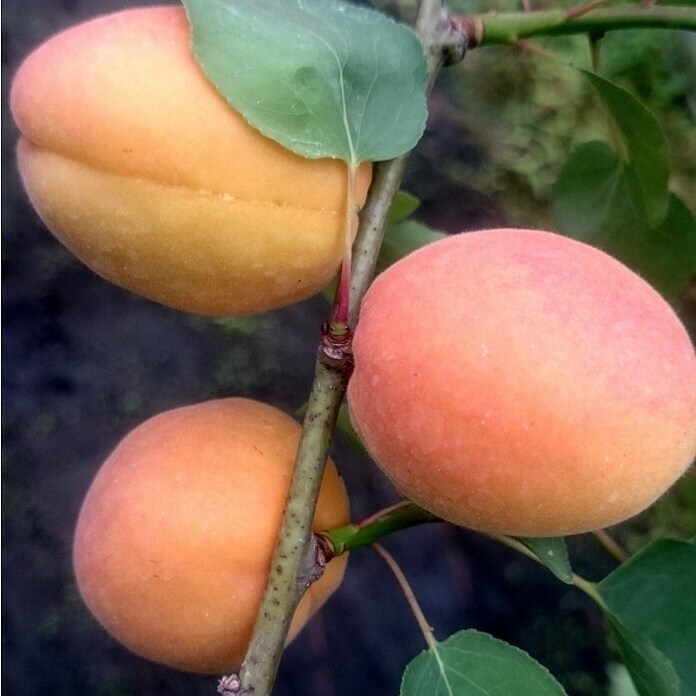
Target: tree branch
{"x": 508, "y": 28}
{"x": 288, "y": 581}
{"x": 333, "y": 368}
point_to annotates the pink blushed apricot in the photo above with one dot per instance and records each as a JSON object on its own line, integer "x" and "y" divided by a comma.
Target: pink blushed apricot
{"x": 519, "y": 382}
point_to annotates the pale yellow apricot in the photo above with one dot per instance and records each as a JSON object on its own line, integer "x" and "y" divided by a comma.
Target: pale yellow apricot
{"x": 519, "y": 382}
{"x": 174, "y": 539}
{"x": 141, "y": 168}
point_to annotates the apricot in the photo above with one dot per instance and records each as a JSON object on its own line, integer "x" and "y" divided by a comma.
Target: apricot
{"x": 174, "y": 539}
{"x": 519, "y": 382}
{"x": 139, "y": 166}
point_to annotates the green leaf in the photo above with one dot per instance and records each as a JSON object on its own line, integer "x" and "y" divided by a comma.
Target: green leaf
{"x": 626, "y": 51}
{"x": 595, "y": 201}
{"x": 652, "y": 673}
{"x": 470, "y": 663}
{"x": 322, "y": 77}
{"x": 654, "y": 595}
{"x": 666, "y": 255}
{"x": 553, "y": 553}
{"x": 645, "y": 143}
{"x": 620, "y": 682}
{"x": 404, "y": 205}
{"x": 585, "y": 189}
{"x": 402, "y": 238}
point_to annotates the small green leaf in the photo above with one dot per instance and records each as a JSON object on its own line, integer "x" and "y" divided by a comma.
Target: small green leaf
{"x": 402, "y": 238}
{"x": 595, "y": 201}
{"x": 553, "y": 553}
{"x": 654, "y": 595}
{"x": 404, "y": 205}
{"x": 585, "y": 189}
{"x": 470, "y": 663}
{"x": 645, "y": 143}
{"x": 324, "y": 78}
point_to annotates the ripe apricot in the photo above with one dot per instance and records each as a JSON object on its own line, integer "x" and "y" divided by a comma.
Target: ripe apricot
{"x": 519, "y": 382}
{"x": 143, "y": 170}
{"x": 174, "y": 540}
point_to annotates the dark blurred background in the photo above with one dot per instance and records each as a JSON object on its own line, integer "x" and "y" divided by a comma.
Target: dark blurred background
{"x": 84, "y": 362}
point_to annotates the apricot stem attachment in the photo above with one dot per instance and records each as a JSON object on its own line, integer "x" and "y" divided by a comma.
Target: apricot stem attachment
{"x": 386, "y": 178}
{"x": 405, "y": 514}
{"x": 392, "y": 519}
{"x": 342, "y": 303}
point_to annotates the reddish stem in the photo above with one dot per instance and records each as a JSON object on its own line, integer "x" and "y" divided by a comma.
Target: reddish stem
{"x": 343, "y": 293}
{"x": 342, "y": 302}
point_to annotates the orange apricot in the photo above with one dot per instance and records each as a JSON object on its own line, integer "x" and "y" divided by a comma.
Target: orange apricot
{"x": 139, "y": 166}
{"x": 174, "y": 539}
{"x": 519, "y": 382}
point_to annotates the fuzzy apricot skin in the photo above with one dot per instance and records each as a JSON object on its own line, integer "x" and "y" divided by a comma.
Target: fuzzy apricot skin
{"x": 519, "y": 382}
{"x": 136, "y": 163}
{"x": 174, "y": 539}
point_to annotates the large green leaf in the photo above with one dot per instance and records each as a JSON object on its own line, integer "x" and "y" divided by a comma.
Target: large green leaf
{"x": 596, "y": 201}
{"x": 652, "y": 673}
{"x": 645, "y": 142}
{"x": 322, "y": 77}
{"x": 470, "y": 663}
{"x": 553, "y": 553}
{"x": 654, "y": 595}
{"x": 620, "y": 682}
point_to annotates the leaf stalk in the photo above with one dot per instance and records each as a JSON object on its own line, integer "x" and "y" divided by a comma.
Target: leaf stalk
{"x": 406, "y": 588}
